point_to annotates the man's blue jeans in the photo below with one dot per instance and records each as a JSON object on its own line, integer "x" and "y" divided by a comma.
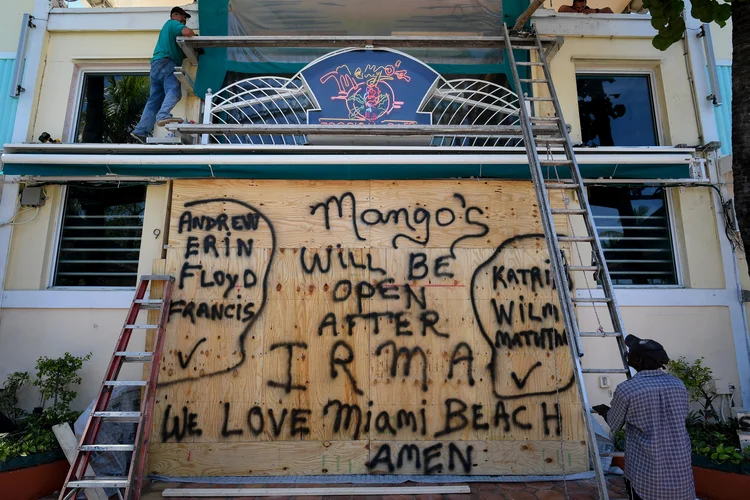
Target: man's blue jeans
{"x": 164, "y": 95}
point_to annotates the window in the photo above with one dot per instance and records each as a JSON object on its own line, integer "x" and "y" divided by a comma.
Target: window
{"x": 633, "y": 226}
{"x": 111, "y": 105}
{"x": 101, "y": 236}
{"x": 616, "y": 110}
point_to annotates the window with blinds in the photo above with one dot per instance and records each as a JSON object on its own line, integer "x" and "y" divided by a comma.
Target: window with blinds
{"x": 101, "y": 236}
{"x": 633, "y": 226}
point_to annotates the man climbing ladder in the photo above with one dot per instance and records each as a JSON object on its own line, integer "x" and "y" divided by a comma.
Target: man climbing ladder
{"x": 165, "y": 90}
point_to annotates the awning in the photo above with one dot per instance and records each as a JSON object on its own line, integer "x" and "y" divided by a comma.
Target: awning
{"x": 330, "y": 163}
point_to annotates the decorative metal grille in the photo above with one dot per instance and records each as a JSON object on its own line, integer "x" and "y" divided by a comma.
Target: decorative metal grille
{"x": 286, "y": 101}
{"x": 261, "y": 100}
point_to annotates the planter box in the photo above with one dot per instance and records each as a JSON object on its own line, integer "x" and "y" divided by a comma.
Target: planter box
{"x": 31, "y": 482}
{"x": 713, "y": 484}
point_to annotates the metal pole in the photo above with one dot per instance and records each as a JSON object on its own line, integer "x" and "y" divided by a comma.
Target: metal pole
{"x": 713, "y": 75}
{"x": 15, "y": 86}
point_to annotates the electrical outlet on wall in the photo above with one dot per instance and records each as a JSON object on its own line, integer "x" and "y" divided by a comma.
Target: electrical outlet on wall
{"x": 604, "y": 382}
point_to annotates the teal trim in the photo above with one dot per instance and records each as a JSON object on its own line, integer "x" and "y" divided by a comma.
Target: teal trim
{"x": 212, "y": 66}
{"x": 8, "y": 104}
{"x": 344, "y": 172}
{"x": 723, "y": 113}
{"x": 512, "y": 9}
{"x": 270, "y": 68}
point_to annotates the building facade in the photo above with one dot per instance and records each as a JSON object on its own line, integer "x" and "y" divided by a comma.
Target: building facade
{"x": 646, "y": 137}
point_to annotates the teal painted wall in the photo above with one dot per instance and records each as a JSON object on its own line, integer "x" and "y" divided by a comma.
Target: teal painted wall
{"x": 723, "y": 113}
{"x": 7, "y": 103}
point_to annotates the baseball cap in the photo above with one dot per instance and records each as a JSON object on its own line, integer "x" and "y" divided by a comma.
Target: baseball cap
{"x": 647, "y": 348}
{"x": 179, "y": 10}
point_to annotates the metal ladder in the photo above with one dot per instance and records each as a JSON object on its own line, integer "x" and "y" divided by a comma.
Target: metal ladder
{"x": 560, "y": 266}
{"x": 77, "y": 478}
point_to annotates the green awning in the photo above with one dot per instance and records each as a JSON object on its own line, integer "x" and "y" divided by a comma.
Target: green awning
{"x": 343, "y": 172}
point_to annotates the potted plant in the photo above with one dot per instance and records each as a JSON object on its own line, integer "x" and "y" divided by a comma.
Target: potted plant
{"x": 31, "y": 462}
{"x": 720, "y": 468}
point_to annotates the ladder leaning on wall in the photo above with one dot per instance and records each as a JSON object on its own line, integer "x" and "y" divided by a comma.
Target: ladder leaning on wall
{"x": 128, "y": 486}
{"x": 561, "y": 266}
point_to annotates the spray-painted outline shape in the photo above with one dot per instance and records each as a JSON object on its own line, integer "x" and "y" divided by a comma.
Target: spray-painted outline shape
{"x": 493, "y": 358}
{"x": 246, "y": 330}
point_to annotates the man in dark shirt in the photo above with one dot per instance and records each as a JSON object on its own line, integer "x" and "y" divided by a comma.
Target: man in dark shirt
{"x": 165, "y": 90}
{"x": 580, "y": 7}
{"x": 652, "y": 406}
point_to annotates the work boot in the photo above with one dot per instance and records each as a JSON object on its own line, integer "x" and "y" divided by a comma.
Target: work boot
{"x": 139, "y": 138}
{"x": 171, "y": 119}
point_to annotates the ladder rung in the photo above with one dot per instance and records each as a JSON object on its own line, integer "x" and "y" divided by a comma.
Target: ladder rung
{"x": 157, "y": 277}
{"x": 605, "y": 370}
{"x": 119, "y": 416}
{"x": 532, "y": 63}
{"x": 107, "y": 447}
{"x": 575, "y": 239}
{"x": 523, "y": 47}
{"x": 149, "y": 303}
{"x": 582, "y": 268}
{"x": 545, "y": 99}
{"x": 569, "y": 211}
{"x": 561, "y": 185}
{"x": 556, "y": 162}
{"x": 99, "y": 482}
{"x": 556, "y": 140}
{"x": 544, "y": 118}
{"x": 600, "y": 334}
{"x": 141, "y": 327}
{"x": 125, "y": 383}
{"x": 531, "y": 80}
{"x": 592, "y": 299}
{"x": 135, "y": 356}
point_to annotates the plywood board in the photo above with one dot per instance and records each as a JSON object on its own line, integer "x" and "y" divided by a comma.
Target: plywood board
{"x": 315, "y": 321}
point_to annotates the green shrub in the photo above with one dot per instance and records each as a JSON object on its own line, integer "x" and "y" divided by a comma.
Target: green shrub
{"x": 9, "y": 395}
{"x": 696, "y": 378}
{"x": 54, "y": 378}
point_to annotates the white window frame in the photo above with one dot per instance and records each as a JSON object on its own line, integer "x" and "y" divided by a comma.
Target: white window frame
{"x": 57, "y": 241}
{"x": 83, "y": 69}
{"x": 657, "y": 107}
{"x": 672, "y": 221}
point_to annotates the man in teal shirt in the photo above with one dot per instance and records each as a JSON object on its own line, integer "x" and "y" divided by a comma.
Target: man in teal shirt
{"x": 165, "y": 89}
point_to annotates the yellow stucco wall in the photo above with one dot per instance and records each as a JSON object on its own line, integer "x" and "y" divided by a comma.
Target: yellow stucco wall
{"x": 33, "y": 248}
{"x": 696, "y": 240}
{"x": 69, "y": 53}
{"x": 11, "y": 12}
{"x": 722, "y": 38}
{"x": 28, "y": 334}
{"x": 690, "y": 332}
{"x": 694, "y": 222}
{"x": 673, "y": 98}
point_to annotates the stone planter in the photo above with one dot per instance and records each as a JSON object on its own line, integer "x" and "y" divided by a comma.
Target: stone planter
{"x": 34, "y": 476}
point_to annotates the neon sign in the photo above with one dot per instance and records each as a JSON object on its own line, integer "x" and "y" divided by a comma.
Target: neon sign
{"x": 383, "y": 87}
